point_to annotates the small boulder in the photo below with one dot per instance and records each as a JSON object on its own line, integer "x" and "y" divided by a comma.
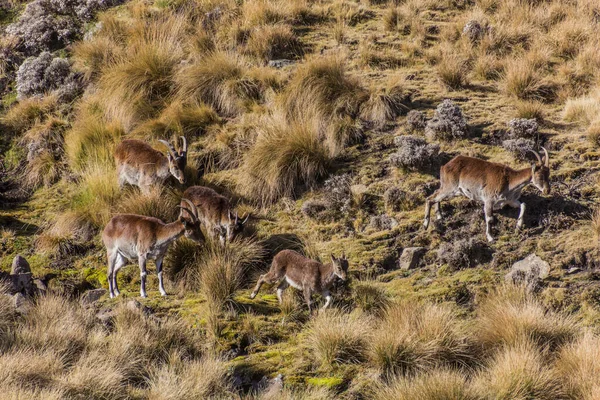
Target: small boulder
{"x": 529, "y": 272}
{"x": 92, "y": 296}
{"x": 280, "y": 63}
{"x": 22, "y": 283}
{"x": 40, "y": 286}
{"x": 410, "y": 258}
{"x": 20, "y": 302}
{"x": 135, "y": 305}
{"x": 20, "y": 265}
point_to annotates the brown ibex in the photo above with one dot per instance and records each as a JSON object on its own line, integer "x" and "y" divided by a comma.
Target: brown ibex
{"x": 141, "y": 165}
{"x": 290, "y": 268}
{"x": 496, "y": 185}
{"x": 128, "y": 237}
{"x": 215, "y": 212}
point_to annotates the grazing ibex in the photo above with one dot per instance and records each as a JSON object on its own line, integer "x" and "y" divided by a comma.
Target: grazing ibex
{"x": 141, "y": 165}
{"x": 128, "y": 237}
{"x": 215, "y": 212}
{"x": 496, "y": 185}
{"x": 291, "y": 268}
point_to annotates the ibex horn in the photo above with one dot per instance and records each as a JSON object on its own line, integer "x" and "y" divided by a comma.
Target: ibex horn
{"x": 193, "y": 207}
{"x": 236, "y": 217}
{"x": 229, "y": 215}
{"x": 187, "y": 211}
{"x": 546, "y": 157}
{"x": 537, "y": 155}
{"x": 184, "y": 144}
{"x": 246, "y": 219}
{"x": 169, "y": 147}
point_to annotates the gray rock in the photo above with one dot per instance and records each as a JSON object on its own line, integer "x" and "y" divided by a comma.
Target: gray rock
{"x": 280, "y": 63}
{"x": 135, "y": 305}
{"x": 22, "y": 283}
{"x": 573, "y": 270}
{"x": 410, "y": 258}
{"x": 92, "y": 296}
{"x": 40, "y": 285}
{"x": 20, "y": 302}
{"x": 20, "y": 265}
{"x": 529, "y": 272}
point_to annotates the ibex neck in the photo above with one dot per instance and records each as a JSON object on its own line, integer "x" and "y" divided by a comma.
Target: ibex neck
{"x": 327, "y": 276}
{"x": 162, "y": 168}
{"x": 168, "y": 233}
{"x": 519, "y": 179}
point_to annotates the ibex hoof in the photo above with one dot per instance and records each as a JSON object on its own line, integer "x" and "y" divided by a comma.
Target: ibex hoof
{"x": 164, "y": 294}
{"x": 426, "y": 225}
{"x": 491, "y": 239}
{"x": 252, "y": 295}
{"x": 144, "y": 295}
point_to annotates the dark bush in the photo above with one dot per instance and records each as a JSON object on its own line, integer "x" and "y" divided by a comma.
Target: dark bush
{"x": 415, "y": 121}
{"x": 463, "y": 253}
{"x": 448, "y": 123}
{"x": 45, "y": 73}
{"x": 413, "y": 152}
{"x": 523, "y": 128}
{"x": 382, "y": 222}
{"x": 519, "y": 147}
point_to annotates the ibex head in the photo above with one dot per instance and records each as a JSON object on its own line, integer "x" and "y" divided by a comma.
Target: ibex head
{"x": 192, "y": 224}
{"x": 236, "y": 225}
{"x": 177, "y": 159}
{"x": 540, "y": 172}
{"x": 340, "y": 266}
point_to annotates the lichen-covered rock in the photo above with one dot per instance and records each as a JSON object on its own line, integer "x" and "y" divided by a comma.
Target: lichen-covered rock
{"x": 448, "y": 123}
{"x": 413, "y": 152}
{"x": 410, "y": 258}
{"x": 20, "y": 265}
{"x": 382, "y": 222}
{"x": 46, "y": 73}
{"x": 415, "y": 120}
{"x": 337, "y": 192}
{"x": 474, "y": 30}
{"x": 523, "y": 128}
{"x": 519, "y": 147}
{"x": 528, "y": 272}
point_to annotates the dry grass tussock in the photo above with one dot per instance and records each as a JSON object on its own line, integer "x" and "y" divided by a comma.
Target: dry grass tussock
{"x": 284, "y": 158}
{"x": 519, "y": 371}
{"x": 579, "y": 365}
{"x": 436, "y": 384}
{"x": 584, "y": 109}
{"x": 512, "y": 315}
{"x": 26, "y": 113}
{"x": 335, "y": 337}
{"x": 59, "y": 350}
{"x": 419, "y": 336}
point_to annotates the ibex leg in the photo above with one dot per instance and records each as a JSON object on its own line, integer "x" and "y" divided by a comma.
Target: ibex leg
{"x": 521, "y": 206}
{"x": 282, "y": 286}
{"x": 327, "y": 297}
{"x": 489, "y": 217}
{"x": 121, "y": 261}
{"x": 143, "y": 274}
{"x": 308, "y": 298}
{"x": 159, "y": 271}
{"x": 110, "y": 272}
{"x": 435, "y": 198}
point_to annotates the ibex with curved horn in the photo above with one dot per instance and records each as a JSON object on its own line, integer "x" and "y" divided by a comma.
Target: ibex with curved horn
{"x": 495, "y": 185}
{"x": 215, "y": 212}
{"x": 141, "y": 165}
{"x": 127, "y": 237}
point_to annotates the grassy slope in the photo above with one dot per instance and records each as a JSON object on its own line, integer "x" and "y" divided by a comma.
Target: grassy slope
{"x": 554, "y": 232}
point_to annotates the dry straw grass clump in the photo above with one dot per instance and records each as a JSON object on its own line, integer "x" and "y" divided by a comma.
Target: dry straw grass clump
{"x": 284, "y": 158}
{"x": 579, "y": 365}
{"x": 512, "y": 314}
{"x": 220, "y": 80}
{"x": 335, "y": 337}
{"x": 274, "y": 42}
{"x": 522, "y": 79}
{"x": 418, "y": 336}
{"x": 436, "y": 384}
{"x": 519, "y": 371}
{"x": 452, "y": 70}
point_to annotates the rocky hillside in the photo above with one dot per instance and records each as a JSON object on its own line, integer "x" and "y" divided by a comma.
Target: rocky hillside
{"x": 327, "y": 122}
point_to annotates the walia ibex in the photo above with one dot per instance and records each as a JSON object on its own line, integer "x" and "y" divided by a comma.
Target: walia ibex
{"x": 215, "y": 212}
{"x": 141, "y": 165}
{"x": 127, "y": 237}
{"x": 290, "y": 268}
{"x": 496, "y": 185}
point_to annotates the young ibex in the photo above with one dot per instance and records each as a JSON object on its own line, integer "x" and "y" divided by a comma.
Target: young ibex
{"x": 215, "y": 212}
{"x": 496, "y": 185}
{"x": 291, "y": 268}
{"x": 127, "y": 237}
{"x": 141, "y": 165}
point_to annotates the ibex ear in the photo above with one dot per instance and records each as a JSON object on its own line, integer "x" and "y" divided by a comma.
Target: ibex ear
{"x": 333, "y": 258}
{"x": 344, "y": 256}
